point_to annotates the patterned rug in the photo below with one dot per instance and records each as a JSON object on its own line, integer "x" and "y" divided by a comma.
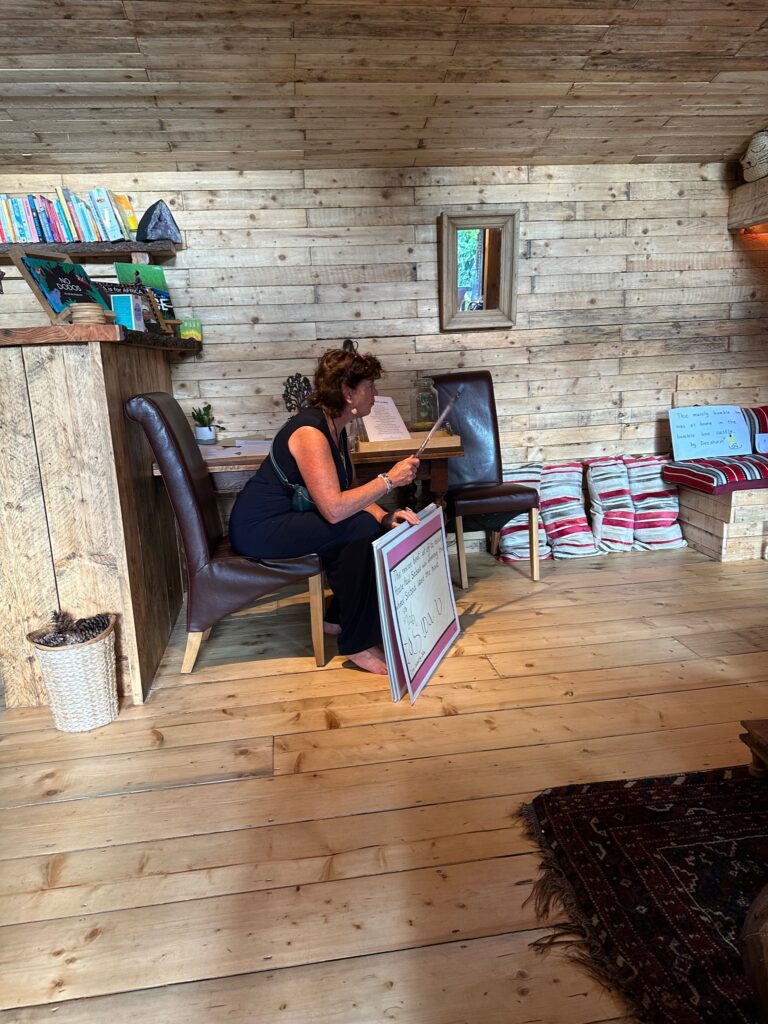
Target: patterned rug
{"x": 656, "y": 876}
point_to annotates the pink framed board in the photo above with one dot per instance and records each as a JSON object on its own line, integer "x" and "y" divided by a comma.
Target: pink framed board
{"x": 418, "y": 611}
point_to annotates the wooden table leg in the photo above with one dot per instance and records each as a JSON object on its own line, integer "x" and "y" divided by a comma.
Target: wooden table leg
{"x": 756, "y": 738}
{"x": 437, "y": 482}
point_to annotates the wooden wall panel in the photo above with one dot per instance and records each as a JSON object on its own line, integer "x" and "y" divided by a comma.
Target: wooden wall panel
{"x": 24, "y": 541}
{"x": 633, "y": 295}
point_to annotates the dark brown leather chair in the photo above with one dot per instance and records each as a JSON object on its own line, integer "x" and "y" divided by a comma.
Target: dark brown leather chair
{"x": 219, "y": 581}
{"x": 477, "y": 496}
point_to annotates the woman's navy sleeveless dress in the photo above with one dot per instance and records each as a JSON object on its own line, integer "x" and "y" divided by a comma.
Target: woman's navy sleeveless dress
{"x": 263, "y": 525}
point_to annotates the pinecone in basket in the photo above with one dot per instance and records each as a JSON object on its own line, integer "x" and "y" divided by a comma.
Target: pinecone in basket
{"x": 64, "y": 630}
{"x": 87, "y": 629}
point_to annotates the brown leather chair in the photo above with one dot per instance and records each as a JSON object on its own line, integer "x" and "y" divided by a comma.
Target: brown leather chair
{"x": 477, "y": 496}
{"x": 219, "y": 581}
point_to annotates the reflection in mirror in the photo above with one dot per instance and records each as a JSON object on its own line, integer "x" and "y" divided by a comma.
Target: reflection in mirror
{"x": 478, "y": 268}
{"x": 477, "y": 277}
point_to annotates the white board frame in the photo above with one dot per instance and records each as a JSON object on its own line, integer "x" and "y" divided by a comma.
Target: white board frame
{"x": 410, "y": 673}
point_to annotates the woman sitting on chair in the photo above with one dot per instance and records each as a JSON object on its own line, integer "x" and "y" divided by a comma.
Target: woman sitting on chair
{"x": 310, "y": 468}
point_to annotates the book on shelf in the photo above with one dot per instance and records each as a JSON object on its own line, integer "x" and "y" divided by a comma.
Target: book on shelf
{"x": 5, "y": 217}
{"x": 35, "y": 205}
{"x": 113, "y": 226}
{"x": 128, "y": 311}
{"x": 83, "y": 228}
{"x": 58, "y": 285}
{"x": 98, "y": 216}
{"x": 31, "y": 226}
{"x": 65, "y": 213}
{"x": 147, "y": 275}
{"x": 53, "y": 220}
{"x": 125, "y": 212}
{"x": 19, "y": 225}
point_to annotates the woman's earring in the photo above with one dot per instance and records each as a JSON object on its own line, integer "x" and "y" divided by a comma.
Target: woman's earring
{"x": 353, "y": 410}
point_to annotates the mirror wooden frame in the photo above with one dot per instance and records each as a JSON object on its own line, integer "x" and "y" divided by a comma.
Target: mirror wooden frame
{"x": 504, "y": 315}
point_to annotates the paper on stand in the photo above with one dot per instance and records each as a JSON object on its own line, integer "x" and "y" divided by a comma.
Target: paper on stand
{"x": 384, "y": 422}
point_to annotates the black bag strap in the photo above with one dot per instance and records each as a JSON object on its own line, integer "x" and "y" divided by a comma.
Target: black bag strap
{"x": 280, "y": 474}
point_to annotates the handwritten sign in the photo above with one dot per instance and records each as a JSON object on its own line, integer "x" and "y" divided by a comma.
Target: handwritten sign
{"x": 418, "y": 610}
{"x": 709, "y": 431}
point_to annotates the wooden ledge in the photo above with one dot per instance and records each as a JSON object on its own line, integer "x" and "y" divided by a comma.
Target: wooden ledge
{"x": 70, "y": 334}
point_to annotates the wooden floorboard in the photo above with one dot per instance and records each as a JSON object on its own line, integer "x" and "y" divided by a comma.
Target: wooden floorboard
{"x": 265, "y": 841}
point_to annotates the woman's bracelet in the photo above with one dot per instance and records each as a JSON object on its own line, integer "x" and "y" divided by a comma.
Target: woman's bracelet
{"x": 387, "y": 482}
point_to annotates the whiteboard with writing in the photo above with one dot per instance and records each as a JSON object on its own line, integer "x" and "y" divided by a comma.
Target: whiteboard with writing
{"x": 708, "y": 431}
{"x": 419, "y": 617}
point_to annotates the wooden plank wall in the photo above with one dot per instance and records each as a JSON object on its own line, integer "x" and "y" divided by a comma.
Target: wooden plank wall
{"x": 632, "y": 293}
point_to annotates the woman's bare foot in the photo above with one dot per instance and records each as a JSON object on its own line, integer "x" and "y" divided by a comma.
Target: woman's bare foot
{"x": 331, "y": 628}
{"x": 370, "y": 661}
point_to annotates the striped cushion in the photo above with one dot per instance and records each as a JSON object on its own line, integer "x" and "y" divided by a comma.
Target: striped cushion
{"x": 613, "y": 514}
{"x": 514, "y": 545}
{"x": 720, "y": 476}
{"x": 655, "y": 502}
{"x": 757, "y": 418}
{"x": 562, "y": 509}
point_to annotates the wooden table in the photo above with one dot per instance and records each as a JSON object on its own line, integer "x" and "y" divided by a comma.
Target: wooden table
{"x": 230, "y": 473}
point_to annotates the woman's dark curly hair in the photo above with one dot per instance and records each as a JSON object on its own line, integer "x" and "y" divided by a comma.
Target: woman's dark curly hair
{"x": 340, "y": 366}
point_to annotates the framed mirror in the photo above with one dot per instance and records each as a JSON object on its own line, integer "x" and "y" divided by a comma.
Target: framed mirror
{"x": 478, "y": 271}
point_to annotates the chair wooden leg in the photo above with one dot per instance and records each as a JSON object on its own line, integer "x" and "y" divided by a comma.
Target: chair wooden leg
{"x": 317, "y": 614}
{"x": 494, "y": 542}
{"x": 194, "y": 643}
{"x": 458, "y": 525}
{"x": 533, "y": 541}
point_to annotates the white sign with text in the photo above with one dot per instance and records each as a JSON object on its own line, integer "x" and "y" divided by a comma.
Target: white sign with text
{"x": 709, "y": 431}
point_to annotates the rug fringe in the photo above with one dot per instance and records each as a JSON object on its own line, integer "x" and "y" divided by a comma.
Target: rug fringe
{"x": 577, "y": 936}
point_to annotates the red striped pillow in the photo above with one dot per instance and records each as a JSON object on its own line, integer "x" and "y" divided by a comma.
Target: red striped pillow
{"x": 562, "y": 509}
{"x": 514, "y": 545}
{"x": 613, "y": 514}
{"x": 656, "y": 504}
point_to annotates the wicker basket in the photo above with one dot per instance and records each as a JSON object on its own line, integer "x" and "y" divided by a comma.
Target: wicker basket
{"x": 754, "y": 163}
{"x": 80, "y": 680}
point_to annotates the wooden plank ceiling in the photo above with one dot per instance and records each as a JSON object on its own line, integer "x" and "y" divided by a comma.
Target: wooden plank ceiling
{"x": 231, "y": 84}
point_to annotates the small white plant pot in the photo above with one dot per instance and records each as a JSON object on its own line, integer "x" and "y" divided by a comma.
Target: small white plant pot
{"x": 205, "y": 435}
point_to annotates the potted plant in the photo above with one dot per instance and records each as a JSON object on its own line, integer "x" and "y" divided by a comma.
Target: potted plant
{"x": 77, "y": 663}
{"x": 205, "y": 425}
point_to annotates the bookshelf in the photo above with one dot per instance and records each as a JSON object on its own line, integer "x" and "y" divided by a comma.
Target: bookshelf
{"x": 94, "y": 252}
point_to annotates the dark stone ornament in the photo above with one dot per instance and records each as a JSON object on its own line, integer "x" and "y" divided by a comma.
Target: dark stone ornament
{"x": 157, "y": 224}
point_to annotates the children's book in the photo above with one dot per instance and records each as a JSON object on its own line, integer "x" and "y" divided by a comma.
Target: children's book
{"x": 53, "y": 220}
{"x": 112, "y": 226}
{"x": 19, "y": 220}
{"x": 58, "y": 285}
{"x": 30, "y": 220}
{"x": 124, "y": 210}
{"x": 67, "y": 213}
{"x": 5, "y": 217}
{"x": 64, "y": 220}
{"x": 38, "y": 212}
{"x": 149, "y": 276}
{"x": 128, "y": 311}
